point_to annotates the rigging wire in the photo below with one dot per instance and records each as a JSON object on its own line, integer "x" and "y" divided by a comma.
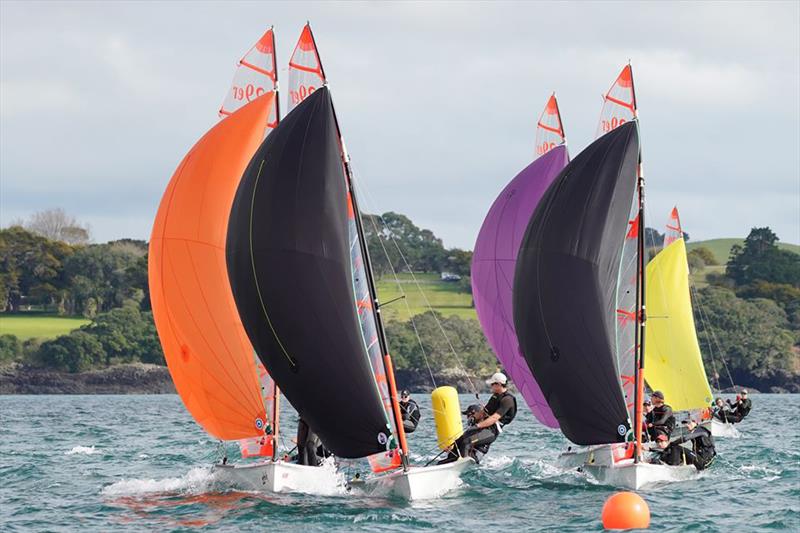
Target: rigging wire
{"x": 366, "y": 195}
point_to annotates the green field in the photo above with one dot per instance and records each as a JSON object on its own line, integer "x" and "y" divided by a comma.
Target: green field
{"x": 721, "y": 248}
{"x": 41, "y": 326}
{"x": 442, "y": 295}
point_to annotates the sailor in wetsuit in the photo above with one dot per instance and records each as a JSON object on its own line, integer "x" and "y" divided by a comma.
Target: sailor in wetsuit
{"x": 741, "y": 408}
{"x": 310, "y": 450}
{"x": 409, "y": 410}
{"x": 701, "y": 455}
{"x": 722, "y": 411}
{"x": 660, "y": 420}
{"x": 486, "y": 422}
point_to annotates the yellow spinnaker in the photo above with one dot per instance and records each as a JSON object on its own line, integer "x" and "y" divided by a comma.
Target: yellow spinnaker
{"x": 673, "y": 363}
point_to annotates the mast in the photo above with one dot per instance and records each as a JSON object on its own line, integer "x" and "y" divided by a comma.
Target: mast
{"x": 641, "y": 314}
{"x": 362, "y": 242}
{"x": 276, "y": 391}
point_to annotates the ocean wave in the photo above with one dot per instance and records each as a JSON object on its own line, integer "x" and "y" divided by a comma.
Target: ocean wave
{"x": 82, "y": 450}
{"x": 196, "y": 480}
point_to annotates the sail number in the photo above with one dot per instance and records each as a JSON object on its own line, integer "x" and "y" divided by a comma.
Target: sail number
{"x": 301, "y": 93}
{"x": 545, "y": 147}
{"x": 611, "y": 124}
{"x": 247, "y": 92}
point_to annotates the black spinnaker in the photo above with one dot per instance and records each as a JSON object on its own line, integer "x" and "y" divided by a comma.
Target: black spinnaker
{"x": 289, "y": 266}
{"x": 565, "y": 288}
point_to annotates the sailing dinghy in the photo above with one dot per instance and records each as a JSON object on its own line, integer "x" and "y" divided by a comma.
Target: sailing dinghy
{"x": 302, "y": 282}
{"x": 579, "y": 300}
{"x": 212, "y": 363}
{"x": 495, "y": 255}
{"x": 675, "y": 363}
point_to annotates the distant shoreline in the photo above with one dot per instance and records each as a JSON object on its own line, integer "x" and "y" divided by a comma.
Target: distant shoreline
{"x": 139, "y": 378}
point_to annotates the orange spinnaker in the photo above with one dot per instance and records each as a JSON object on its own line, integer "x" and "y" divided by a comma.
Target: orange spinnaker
{"x": 207, "y": 350}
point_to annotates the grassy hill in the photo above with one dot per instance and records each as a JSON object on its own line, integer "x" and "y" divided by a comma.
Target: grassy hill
{"x": 442, "y": 295}
{"x": 721, "y": 248}
{"x": 36, "y": 325}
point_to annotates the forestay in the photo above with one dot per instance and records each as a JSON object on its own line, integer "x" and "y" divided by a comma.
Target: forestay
{"x": 206, "y": 349}
{"x": 289, "y": 263}
{"x": 305, "y": 69}
{"x": 255, "y": 75}
{"x": 565, "y": 287}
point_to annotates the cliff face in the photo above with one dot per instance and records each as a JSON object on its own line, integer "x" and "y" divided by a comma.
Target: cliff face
{"x": 122, "y": 379}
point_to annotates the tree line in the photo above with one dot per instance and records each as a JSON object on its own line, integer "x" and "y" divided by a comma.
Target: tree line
{"x": 748, "y": 316}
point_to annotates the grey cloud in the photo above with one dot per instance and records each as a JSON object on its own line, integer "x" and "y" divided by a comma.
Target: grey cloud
{"x": 100, "y": 101}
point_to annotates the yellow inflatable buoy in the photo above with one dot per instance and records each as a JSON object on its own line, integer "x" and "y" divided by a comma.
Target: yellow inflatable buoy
{"x": 447, "y": 415}
{"x": 626, "y": 510}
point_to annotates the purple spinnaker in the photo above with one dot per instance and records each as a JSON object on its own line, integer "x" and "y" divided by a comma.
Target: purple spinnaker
{"x": 493, "y": 264}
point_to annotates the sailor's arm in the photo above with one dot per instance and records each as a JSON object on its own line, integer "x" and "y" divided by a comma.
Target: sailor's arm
{"x": 488, "y": 421}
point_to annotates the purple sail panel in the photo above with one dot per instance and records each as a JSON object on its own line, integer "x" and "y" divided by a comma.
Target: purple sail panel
{"x": 493, "y": 264}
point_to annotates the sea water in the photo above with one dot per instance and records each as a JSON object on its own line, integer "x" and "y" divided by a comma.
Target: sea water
{"x": 134, "y": 463}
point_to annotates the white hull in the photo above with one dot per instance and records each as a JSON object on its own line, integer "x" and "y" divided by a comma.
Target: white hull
{"x": 416, "y": 483}
{"x": 600, "y": 462}
{"x": 280, "y": 476}
{"x": 721, "y": 429}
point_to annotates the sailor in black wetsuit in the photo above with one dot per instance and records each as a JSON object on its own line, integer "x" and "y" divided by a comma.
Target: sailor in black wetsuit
{"x": 409, "y": 410}
{"x": 741, "y": 408}
{"x": 722, "y": 411}
{"x": 310, "y": 450}
{"x": 660, "y": 420}
{"x": 700, "y": 456}
{"x": 488, "y": 421}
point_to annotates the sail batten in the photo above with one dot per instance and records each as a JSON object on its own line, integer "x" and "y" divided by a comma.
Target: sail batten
{"x": 549, "y": 128}
{"x": 306, "y": 74}
{"x": 256, "y": 74}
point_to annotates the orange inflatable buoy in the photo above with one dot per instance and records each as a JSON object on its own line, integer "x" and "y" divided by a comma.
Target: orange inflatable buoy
{"x": 626, "y": 510}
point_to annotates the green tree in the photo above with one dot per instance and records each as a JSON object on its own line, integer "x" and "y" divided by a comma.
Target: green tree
{"x": 31, "y": 269}
{"x": 76, "y": 352}
{"x": 760, "y": 259}
{"x": 753, "y": 335}
{"x": 10, "y": 348}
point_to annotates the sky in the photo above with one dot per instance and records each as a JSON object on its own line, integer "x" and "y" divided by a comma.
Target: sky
{"x": 438, "y": 102}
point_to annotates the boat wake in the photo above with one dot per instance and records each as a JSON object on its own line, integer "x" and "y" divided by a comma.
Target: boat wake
{"x": 195, "y": 481}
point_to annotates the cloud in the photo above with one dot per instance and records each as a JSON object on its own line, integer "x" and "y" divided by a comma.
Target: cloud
{"x": 438, "y": 101}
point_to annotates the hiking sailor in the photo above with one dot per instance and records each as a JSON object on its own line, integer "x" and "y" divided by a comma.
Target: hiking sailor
{"x": 486, "y": 422}
{"x": 409, "y": 411}
{"x": 741, "y": 408}
{"x": 722, "y": 411}
{"x": 660, "y": 420}
{"x": 700, "y": 456}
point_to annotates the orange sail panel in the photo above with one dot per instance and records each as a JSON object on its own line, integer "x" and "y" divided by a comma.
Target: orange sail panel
{"x": 207, "y": 350}
{"x": 619, "y": 103}
{"x": 549, "y": 129}
{"x": 305, "y": 69}
{"x": 674, "y": 231}
{"x": 256, "y": 74}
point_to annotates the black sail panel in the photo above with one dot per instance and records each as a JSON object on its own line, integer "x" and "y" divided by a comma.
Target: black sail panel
{"x": 565, "y": 288}
{"x": 289, "y": 266}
